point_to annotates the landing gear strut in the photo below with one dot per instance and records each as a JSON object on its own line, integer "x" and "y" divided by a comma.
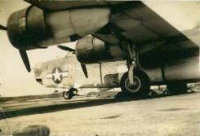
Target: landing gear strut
{"x": 135, "y": 81}
{"x": 70, "y": 93}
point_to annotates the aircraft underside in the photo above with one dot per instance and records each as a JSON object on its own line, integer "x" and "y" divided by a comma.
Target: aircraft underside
{"x": 156, "y": 52}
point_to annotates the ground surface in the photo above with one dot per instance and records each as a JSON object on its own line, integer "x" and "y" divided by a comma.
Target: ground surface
{"x": 163, "y": 116}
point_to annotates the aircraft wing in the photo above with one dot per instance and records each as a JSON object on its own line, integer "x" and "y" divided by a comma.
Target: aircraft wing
{"x": 61, "y": 5}
{"x": 156, "y": 39}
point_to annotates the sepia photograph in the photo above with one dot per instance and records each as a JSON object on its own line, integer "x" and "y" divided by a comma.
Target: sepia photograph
{"x": 99, "y": 68}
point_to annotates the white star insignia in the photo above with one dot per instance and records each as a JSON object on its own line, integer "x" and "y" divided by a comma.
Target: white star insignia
{"x": 57, "y": 75}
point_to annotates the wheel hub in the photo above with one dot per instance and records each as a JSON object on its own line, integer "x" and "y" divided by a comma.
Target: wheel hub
{"x": 135, "y": 87}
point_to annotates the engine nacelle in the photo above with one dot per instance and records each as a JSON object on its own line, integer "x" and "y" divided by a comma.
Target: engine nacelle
{"x": 92, "y": 50}
{"x": 34, "y": 28}
{"x": 25, "y": 29}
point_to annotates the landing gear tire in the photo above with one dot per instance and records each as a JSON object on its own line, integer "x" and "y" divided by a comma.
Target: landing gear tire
{"x": 176, "y": 88}
{"x": 141, "y": 87}
{"x": 70, "y": 93}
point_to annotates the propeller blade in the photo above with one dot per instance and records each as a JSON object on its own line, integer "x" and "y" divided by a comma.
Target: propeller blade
{"x": 25, "y": 59}
{"x": 83, "y": 66}
{"x": 3, "y": 27}
{"x": 66, "y": 48}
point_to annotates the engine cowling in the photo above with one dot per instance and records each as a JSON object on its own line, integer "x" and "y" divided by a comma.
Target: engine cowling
{"x": 24, "y": 30}
{"x": 92, "y": 50}
{"x": 34, "y": 28}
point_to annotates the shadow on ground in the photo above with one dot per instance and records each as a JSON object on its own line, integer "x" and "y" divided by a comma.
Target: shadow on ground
{"x": 73, "y": 104}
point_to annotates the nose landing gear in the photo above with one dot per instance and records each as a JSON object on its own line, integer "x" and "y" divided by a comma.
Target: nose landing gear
{"x": 70, "y": 93}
